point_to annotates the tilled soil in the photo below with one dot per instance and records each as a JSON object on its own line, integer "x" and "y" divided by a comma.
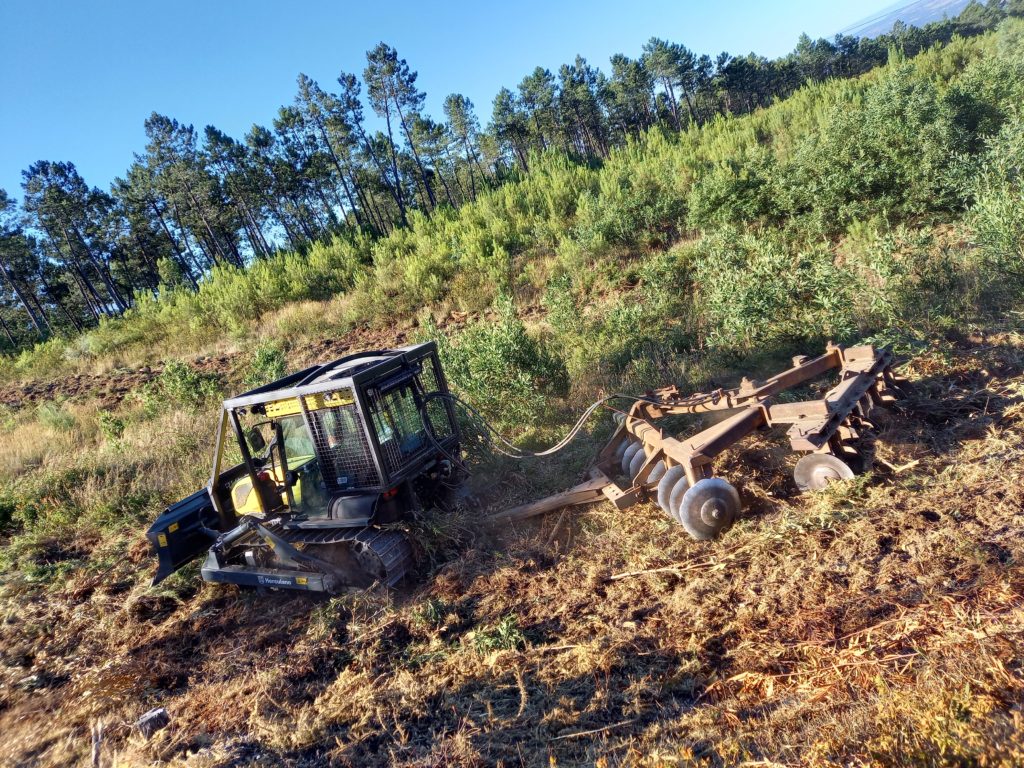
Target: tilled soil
{"x": 878, "y": 622}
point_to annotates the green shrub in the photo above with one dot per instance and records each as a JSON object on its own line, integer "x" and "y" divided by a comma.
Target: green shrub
{"x": 267, "y": 364}
{"x": 601, "y": 340}
{"x": 640, "y": 199}
{"x": 503, "y": 636}
{"x": 8, "y": 512}
{"x": 888, "y": 155}
{"x": 909, "y": 276}
{"x": 736, "y": 190}
{"x": 8, "y": 418}
{"x": 183, "y": 385}
{"x": 55, "y": 417}
{"x": 997, "y": 188}
{"x": 111, "y": 426}
{"x": 753, "y": 292}
{"x": 502, "y": 371}
{"x": 432, "y": 612}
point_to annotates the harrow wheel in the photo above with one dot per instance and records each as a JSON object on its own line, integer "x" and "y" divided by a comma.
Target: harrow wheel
{"x": 708, "y": 508}
{"x": 817, "y": 470}
{"x": 673, "y": 476}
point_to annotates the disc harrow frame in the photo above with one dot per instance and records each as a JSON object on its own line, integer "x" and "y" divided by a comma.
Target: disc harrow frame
{"x": 866, "y": 381}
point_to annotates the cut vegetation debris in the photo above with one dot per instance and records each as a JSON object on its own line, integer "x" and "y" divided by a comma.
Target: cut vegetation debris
{"x": 873, "y": 621}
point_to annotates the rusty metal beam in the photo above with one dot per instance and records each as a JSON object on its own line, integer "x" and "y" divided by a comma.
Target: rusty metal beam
{"x": 588, "y": 491}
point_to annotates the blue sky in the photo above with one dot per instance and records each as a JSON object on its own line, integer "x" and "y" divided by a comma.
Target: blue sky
{"x": 77, "y": 78}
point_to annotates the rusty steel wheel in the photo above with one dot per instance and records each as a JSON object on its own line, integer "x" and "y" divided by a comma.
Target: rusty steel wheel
{"x": 817, "y": 470}
{"x": 708, "y": 508}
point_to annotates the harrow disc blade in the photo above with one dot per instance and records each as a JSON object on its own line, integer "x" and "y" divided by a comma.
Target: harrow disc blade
{"x": 816, "y": 470}
{"x": 656, "y": 472}
{"x": 627, "y": 457}
{"x": 672, "y": 477}
{"x": 638, "y": 461}
{"x": 621, "y": 449}
{"x": 675, "y": 498}
{"x": 708, "y": 508}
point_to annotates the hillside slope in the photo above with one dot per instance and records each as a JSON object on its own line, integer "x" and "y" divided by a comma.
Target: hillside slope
{"x": 878, "y": 622}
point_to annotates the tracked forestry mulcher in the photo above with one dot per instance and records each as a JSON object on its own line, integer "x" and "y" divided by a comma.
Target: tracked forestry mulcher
{"x": 325, "y": 459}
{"x": 310, "y": 470}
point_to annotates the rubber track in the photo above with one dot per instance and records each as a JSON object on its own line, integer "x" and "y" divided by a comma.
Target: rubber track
{"x": 392, "y": 548}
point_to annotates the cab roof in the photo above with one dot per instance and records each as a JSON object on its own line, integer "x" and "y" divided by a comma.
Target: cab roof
{"x": 355, "y": 370}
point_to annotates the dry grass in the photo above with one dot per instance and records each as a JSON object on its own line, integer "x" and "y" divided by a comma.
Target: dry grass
{"x": 878, "y": 623}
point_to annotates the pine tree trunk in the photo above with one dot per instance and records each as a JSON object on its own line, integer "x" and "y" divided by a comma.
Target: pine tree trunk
{"x": 673, "y": 102}
{"x": 455, "y": 175}
{"x": 416, "y": 156}
{"x": 215, "y": 244}
{"x": 396, "y": 191}
{"x": 7, "y": 332}
{"x": 341, "y": 172}
{"x": 60, "y": 305}
{"x": 472, "y": 161}
{"x": 41, "y": 312}
{"x": 103, "y": 270}
{"x": 394, "y": 167}
{"x": 185, "y": 266}
{"x": 184, "y": 236}
{"x": 21, "y": 297}
{"x": 85, "y": 286}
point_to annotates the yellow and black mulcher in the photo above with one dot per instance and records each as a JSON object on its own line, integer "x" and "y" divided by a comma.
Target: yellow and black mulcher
{"x": 323, "y": 461}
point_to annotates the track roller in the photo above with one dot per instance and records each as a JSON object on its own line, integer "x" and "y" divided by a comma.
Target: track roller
{"x": 708, "y": 508}
{"x": 816, "y": 470}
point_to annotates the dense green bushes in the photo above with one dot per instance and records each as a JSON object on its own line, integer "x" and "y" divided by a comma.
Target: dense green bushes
{"x": 757, "y": 205}
{"x": 997, "y": 187}
{"x": 185, "y": 387}
{"x": 743, "y": 280}
{"x": 507, "y": 374}
{"x": 888, "y": 156}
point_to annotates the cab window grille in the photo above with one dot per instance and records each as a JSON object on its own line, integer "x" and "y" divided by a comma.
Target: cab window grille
{"x": 344, "y": 453}
{"x": 399, "y": 428}
{"x": 437, "y": 411}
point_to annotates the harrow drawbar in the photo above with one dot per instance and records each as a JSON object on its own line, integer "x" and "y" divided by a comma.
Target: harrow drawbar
{"x": 641, "y": 462}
